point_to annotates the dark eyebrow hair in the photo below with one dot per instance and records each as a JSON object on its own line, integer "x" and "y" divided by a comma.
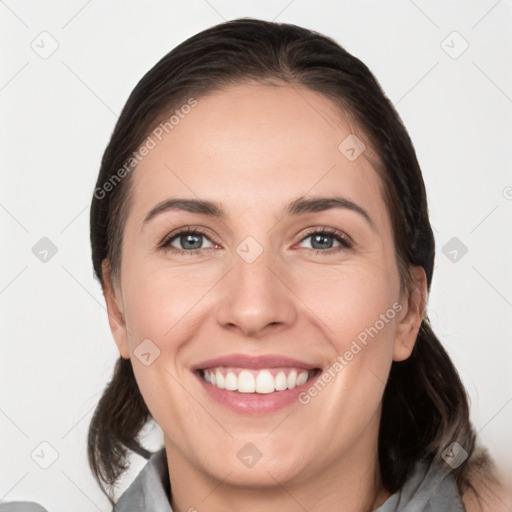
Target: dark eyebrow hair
{"x": 296, "y": 207}
{"x": 318, "y": 204}
{"x": 189, "y": 205}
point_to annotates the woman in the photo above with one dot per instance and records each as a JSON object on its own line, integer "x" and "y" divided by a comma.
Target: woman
{"x": 260, "y": 231}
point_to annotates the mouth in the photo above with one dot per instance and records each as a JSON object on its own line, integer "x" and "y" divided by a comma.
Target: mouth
{"x": 255, "y": 392}
{"x": 259, "y": 381}
{"x": 255, "y": 385}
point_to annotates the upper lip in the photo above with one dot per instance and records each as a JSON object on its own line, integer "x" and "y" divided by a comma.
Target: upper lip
{"x": 256, "y": 362}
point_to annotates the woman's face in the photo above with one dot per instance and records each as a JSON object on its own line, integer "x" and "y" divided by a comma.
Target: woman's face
{"x": 262, "y": 281}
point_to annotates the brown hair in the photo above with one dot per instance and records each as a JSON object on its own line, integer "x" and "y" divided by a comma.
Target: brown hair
{"x": 425, "y": 406}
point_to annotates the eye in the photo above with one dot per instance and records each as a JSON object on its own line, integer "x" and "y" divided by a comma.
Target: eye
{"x": 322, "y": 240}
{"x": 189, "y": 241}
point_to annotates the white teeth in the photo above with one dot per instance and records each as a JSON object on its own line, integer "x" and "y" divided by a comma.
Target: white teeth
{"x": 219, "y": 379}
{"x": 301, "y": 378}
{"x": 231, "y": 382}
{"x": 246, "y": 382}
{"x": 292, "y": 379}
{"x": 263, "y": 383}
{"x": 281, "y": 382}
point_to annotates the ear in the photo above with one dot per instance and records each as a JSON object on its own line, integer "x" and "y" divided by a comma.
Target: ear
{"x": 409, "y": 323}
{"x": 115, "y": 310}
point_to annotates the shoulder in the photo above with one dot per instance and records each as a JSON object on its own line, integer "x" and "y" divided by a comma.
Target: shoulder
{"x": 486, "y": 501}
{"x": 487, "y": 492}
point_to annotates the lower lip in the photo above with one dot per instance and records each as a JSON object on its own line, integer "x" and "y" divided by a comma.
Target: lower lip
{"x": 255, "y": 403}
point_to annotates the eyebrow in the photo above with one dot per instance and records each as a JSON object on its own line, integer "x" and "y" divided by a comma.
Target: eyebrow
{"x": 297, "y": 207}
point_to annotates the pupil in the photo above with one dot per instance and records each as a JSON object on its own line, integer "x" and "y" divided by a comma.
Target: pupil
{"x": 186, "y": 238}
{"x": 320, "y": 238}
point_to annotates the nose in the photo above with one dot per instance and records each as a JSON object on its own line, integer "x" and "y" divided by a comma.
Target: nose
{"x": 256, "y": 296}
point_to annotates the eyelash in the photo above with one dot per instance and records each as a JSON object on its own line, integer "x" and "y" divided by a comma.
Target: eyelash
{"x": 344, "y": 241}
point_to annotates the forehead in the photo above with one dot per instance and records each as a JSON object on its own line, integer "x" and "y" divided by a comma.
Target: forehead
{"x": 252, "y": 142}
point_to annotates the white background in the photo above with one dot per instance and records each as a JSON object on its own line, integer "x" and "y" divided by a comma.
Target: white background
{"x": 57, "y": 116}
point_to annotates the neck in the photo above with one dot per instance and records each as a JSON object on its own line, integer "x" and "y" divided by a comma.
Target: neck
{"x": 352, "y": 483}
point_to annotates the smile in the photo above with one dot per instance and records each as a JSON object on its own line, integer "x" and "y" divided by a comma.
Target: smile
{"x": 262, "y": 381}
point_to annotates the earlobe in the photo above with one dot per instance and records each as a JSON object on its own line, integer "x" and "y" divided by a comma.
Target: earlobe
{"x": 413, "y": 313}
{"x": 115, "y": 311}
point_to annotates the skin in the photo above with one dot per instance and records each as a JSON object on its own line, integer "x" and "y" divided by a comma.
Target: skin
{"x": 254, "y": 149}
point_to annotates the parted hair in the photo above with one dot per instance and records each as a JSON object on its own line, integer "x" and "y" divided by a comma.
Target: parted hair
{"x": 425, "y": 405}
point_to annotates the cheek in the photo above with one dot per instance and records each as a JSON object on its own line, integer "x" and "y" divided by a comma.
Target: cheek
{"x": 163, "y": 393}
{"x": 353, "y": 303}
{"x": 160, "y": 301}
{"x": 159, "y": 309}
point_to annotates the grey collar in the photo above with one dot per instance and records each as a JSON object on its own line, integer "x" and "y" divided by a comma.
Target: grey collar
{"x": 428, "y": 489}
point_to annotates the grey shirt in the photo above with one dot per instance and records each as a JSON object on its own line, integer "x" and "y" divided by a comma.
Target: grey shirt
{"x": 428, "y": 489}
